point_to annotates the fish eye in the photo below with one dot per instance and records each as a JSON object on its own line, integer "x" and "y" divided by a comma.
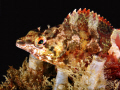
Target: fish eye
{"x": 40, "y": 41}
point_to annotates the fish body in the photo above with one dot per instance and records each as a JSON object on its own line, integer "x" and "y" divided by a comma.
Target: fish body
{"x": 81, "y": 35}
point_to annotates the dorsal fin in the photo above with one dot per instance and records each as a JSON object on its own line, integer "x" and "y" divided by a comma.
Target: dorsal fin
{"x": 73, "y": 17}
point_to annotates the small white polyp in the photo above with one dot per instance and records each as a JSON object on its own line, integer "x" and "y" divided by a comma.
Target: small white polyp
{"x": 34, "y": 63}
{"x": 95, "y": 73}
{"x": 61, "y": 79}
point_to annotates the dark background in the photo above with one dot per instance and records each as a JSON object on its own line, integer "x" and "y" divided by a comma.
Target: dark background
{"x": 17, "y": 17}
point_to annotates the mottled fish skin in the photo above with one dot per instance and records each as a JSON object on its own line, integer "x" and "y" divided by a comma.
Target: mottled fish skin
{"x": 81, "y": 35}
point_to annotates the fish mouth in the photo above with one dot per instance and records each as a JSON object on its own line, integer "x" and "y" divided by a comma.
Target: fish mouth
{"x": 20, "y": 44}
{"x": 19, "y": 41}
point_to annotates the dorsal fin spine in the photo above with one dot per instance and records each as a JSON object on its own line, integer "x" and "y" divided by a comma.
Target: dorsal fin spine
{"x": 87, "y": 14}
{"x": 79, "y": 11}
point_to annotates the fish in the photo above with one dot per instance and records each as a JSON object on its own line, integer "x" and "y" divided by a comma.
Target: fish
{"x": 82, "y": 35}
